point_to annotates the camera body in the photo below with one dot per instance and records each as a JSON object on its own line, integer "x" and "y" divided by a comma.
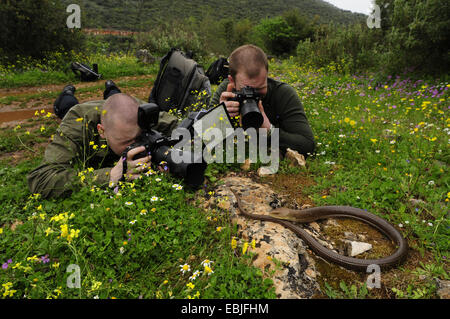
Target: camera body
{"x": 248, "y": 99}
{"x": 160, "y": 148}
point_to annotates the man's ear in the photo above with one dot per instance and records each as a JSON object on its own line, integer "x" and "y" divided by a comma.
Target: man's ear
{"x": 231, "y": 84}
{"x": 101, "y": 130}
{"x": 230, "y": 78}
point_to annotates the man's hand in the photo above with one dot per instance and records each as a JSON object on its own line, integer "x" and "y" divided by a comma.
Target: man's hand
{"x": 232, "y": 106}
{"x": 134, "y": 167}
{"x": 266, "y": 122}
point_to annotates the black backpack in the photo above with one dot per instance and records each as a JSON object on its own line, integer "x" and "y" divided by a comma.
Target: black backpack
{"x": 218, "y": 71}
{"x": 181, "y": 84}
{"x": 85, "y": 72}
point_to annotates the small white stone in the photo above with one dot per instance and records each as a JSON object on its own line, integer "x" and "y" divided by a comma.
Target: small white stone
{"x": 355, "y": 248}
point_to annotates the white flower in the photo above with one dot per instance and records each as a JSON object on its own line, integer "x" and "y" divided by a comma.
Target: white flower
{"x": 154, "y": 198}
{"x": 392, "y": 142}
{"x": 158, "y": 179}
{"x": 377, "y": 151}
{"x": 207, "y": 263}
{"x": 406, "y": 221}
{"x": 400, "y": 225}
{"x": 430, "y": 224}
{"x": 133, "y": 222}
{"x": 122, "y": 250}
{"x": 185, "y": 268}
{"x": 195, "y": 275}
{"x": 128, "y": 203}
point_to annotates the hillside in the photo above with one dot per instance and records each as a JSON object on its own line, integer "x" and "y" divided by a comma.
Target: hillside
{"x": 134, "y": 14}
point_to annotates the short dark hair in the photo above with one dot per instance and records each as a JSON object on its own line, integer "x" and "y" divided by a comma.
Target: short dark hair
{"x": 249, "y": 59}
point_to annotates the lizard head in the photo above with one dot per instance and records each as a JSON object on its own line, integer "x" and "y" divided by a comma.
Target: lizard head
{"x": 282, "y": 213}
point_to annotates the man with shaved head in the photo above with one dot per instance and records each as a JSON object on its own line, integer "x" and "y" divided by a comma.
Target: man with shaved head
{"x": 89, "y": 144}
{"x": 280, "y": 105}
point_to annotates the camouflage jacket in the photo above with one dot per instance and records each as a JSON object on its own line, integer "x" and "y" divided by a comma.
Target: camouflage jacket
{"x": 77, "y": 147}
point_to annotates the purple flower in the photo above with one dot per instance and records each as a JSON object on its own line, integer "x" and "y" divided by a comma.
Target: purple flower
{"x": 45, "y": 259}
{"x": 5, "y": 266}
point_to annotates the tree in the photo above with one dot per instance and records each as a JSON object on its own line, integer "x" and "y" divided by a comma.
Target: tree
{"x": 33, "y": 28}
{"x": 418, "y": 34}
{"x": 278, "y": 36}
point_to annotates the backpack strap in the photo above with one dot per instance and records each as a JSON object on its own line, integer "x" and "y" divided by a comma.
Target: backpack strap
{"x": 162, "y": 65}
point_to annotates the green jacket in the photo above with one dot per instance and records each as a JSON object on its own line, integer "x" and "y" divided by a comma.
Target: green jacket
{"x": 77, "y": 146}
{"x": 285, "y": 111}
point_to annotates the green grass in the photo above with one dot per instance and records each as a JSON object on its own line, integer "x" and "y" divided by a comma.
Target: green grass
{"x": 112, "y": 66}
{"x": 23, "y": 98}
{"x": 370, "y": 155}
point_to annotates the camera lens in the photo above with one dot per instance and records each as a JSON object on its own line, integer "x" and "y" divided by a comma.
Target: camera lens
{"x": 251, "y": 116}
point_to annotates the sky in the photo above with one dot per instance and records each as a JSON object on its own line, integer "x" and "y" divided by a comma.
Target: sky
{"x": 361, "y": 6}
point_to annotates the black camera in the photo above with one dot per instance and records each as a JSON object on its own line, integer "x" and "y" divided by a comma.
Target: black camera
{"x": 248, "y": 99}
{"x": 160, "y": 148}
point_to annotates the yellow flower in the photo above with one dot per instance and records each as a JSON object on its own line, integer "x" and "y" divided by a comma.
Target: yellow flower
{"x": 7, "y": 285}
{"x": 244, "y": 248}
{"x": 73, "y": 234}
{"x": 190, "y": 285}
{"x": 48, "y": 231}
{"x": 17, "y": 265}
{"x": 1, "y": 230}
{"x": 64, "y": 230}
{"x": 57, "y": 291}
{"x": 55, "y": 265}
{"x": 373, "y": 140}
{"x": 233, "y": 243}
{"x": 95, "y": 285}
{"x": 352, "y": 123}
{"x": 253, "y": 244}
{"x": 33, "y": 258}
{"x": 346, "y": 120}
{"x": 79, "y": 119}
{"x": 208, "y": 270}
